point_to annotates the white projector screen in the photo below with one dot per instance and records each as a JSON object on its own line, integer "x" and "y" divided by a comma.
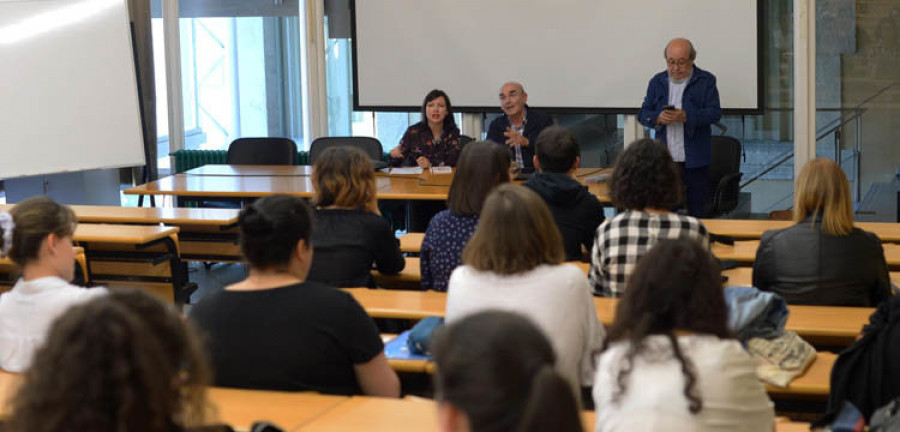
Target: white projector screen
{"x": 68, "y": 99}
{"x": 579, "y": 55}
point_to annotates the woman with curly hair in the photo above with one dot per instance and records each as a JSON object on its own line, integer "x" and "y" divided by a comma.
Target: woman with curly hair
{"x": 670, "y": 362}
{"x": 645, "y": 184}
{"x": 37, "y": 235}
{"x": 349, "y": 234}
{"x": 120, "y": 362}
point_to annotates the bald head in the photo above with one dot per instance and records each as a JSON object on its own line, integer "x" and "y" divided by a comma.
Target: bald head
{"x": 513, "y": 99}
{"x": 681, "y": 47}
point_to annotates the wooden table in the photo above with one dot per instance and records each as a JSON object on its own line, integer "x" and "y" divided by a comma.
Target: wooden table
{"x": 251, "y": 170}
{"x": 374, "y": 414}
{"x": 255, "y": 181}
{"x": 752, "y": 229}
{"x": 743, "y": 276}
{"x": 815, "y": 383}
{"x": 819, "y": 325}
{"x": 745, "y": 252}
{"x": 241, "y": 408}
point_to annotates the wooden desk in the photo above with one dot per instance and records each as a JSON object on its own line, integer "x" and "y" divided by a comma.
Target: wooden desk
{"x": 251, "y": 170}
{"x": 241, "y": 408}
{"x": 745, "y": 252}
{"x": 9, "y": 383}
{"x": 815, "y": 383}
{"x": 399, "y": 187}
{"x": 743, "y": 276}
{"x": 411, "y": 242}
{"x": 818, "y": 325}
{"x": 377, "y": 414}
{"x": 744, "y": 229}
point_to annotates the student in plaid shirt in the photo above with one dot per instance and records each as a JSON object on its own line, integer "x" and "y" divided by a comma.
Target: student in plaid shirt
{"x": 646, "y": 184}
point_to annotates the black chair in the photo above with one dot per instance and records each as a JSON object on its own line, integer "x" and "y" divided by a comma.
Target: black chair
{"x": 262, "y": 151}
{"x": 724, "y": 176}
{"x": 370, "y": 146}
{"x": 463, "y": 140}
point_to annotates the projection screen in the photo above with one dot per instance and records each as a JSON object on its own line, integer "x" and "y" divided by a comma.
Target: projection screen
{"x": 571, "y": 55}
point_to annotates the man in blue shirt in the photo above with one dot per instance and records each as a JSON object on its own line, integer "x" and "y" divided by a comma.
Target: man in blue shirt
{"x": 681, "y": 105}
{"x": 519, "y": 128}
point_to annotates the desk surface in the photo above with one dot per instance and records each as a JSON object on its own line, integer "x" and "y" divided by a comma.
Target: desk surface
{"x": 150, "y": 215}
{"x": 123, "y": 234}
{"x": 251, "y": 170}
{"x": 377, "y": 414}
{"x": 745, "y": 252}
{"x": 423, "y": 186}
{"x": 753, "y": 229}
{"x": 241, "y": 408}
{"x": 815, "y": 382}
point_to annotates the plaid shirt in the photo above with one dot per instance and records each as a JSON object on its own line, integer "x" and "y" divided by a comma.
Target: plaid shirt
{"x": 622, "y": 240}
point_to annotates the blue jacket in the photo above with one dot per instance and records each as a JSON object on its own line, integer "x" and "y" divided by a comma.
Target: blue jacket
{"x": 700, "y": 102}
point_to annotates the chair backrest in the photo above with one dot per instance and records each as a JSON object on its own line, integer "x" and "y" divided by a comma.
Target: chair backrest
{"x": 262, "y": 151}
{"x": 725, "y": 164}
{"x": 370, "y": 146}
{"x": 463, "y": 140}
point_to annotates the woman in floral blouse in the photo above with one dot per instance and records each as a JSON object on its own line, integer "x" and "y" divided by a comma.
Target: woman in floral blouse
{"x": 434, "y": 141}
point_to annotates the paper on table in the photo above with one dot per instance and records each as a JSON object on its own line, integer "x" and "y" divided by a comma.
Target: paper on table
{"x": 407, "y": 171}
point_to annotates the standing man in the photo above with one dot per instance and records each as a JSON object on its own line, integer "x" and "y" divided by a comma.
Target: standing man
{"x": 681, "y": 104}
{"x": 519, "y": 128}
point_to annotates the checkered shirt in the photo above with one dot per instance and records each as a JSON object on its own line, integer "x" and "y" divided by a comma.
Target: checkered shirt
{"x": 622, "y": 240}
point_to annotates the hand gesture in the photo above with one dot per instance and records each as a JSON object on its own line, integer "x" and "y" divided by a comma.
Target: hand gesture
{"x": 396, "y": 153}
{"x": 423, "y": 162}
{"x": 514, "y": 139}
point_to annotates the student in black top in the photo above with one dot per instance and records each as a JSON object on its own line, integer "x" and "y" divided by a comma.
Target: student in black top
{"x": 277, "y": 331}
{"x": 577, "y": 213}
{"x": 349, "y": 233}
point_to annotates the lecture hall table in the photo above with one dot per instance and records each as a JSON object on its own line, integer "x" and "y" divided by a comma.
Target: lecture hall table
{"x": 151, "y": 215}
{"x": 744, "y": 251}
{"x": 423, "y": 186}
{"x": 750, "y": 229}
{"x": 240, "y": 408}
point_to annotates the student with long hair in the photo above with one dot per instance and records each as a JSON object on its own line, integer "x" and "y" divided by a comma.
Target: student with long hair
{"x": 482, "y": 166}
{"x": 276, "y": 330}
{"x": 670, "y": 362}
{"x": 349, "y": 234}
{"x": 646, "y": 184}
{"x": 37, "y": 235}
{"x": 434, "y": 141}
{"x": 120, "y": 362}
{"x": 514, "y": 262}
{"x": 495, "y": 372}
{"x": 823, "y": 259}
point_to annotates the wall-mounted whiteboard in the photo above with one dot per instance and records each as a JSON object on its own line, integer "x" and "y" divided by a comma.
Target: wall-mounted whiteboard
{"x": 68, "y": 93}
{"x": 570, "y": 54}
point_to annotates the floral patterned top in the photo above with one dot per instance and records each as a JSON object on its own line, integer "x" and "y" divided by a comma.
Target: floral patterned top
{"x": 418, "y": 141}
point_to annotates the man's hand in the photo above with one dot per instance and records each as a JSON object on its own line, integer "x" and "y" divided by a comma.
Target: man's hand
{"x": 396, "y": 153}
{"x": 671, "y": 116}
{"x": 423, "y": 162}
{"x": 514, "y": 139}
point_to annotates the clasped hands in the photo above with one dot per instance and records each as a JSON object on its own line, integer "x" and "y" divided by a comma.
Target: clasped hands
{"x": 671, "y": 116}
{"x": 513, "y": 138}
{"x": 422, "y": 161}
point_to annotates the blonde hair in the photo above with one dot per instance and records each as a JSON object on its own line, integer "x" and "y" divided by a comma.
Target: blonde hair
{"x": 516, "y": 233}
{"x": 35, "y": 219}
{"x": 344, "y": 177}
{"x": 822, "y": 192}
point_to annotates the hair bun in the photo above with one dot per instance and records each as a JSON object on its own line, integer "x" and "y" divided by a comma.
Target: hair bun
{"x": 255, "y": 223}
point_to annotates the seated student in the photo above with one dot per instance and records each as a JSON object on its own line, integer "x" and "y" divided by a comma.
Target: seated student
{"x": 349, "y": 234}
{"x": 645, "y": 184}
{"x": 577, "y": 213}
{"x": 434, "y": 141}
{"x": 120, "y": 362}
{"x": 277, "y": 331}
{"x": 482, "y": 166}
{"x": 822, "y": 259}
{"x": 670, "y": 362}
{"x": 37, "y": 236}
{"x": 495, "y": 372}
{"x": 514, "y": 262}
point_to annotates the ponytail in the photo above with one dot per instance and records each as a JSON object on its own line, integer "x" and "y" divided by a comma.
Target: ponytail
{"x": 551, "y": 404}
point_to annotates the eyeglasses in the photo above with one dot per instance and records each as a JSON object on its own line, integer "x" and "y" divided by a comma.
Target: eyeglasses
{"x": 679, "y": 63}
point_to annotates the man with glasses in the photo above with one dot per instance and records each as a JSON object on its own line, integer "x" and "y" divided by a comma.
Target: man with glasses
{"x": 519, "y": 128}
{"x": 681, "y": 105}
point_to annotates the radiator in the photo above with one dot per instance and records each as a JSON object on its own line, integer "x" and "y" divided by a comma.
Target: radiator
{"x": 189, "y": 159}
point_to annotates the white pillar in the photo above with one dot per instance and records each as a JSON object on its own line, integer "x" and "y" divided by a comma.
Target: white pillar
{"x": 804, "y": 82}
{"x": 172, "y": 49}
{"x": 472, "y": 125}
{"x": 312, "y": 57}
{"x": 634, "y": 130}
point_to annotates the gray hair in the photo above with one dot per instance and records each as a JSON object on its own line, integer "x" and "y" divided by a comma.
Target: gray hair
{"x": 693, "y": 54}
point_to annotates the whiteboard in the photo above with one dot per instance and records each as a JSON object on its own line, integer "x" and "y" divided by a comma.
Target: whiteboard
{"x": 569, "y": 54}
{"x": 68, "y": 99}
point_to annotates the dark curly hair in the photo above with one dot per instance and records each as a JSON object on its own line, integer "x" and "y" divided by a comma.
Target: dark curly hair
{"x": 645, "y": 177}
{"x": 120, "y": 362}
{"x": 675, "y": 286}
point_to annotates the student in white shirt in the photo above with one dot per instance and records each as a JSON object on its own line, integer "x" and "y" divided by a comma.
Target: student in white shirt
{"x": 514, "y": 262}
{"x": 495, "y": 373}
{"x": 671, "y": 362}
{"x": 37, "y": 235}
